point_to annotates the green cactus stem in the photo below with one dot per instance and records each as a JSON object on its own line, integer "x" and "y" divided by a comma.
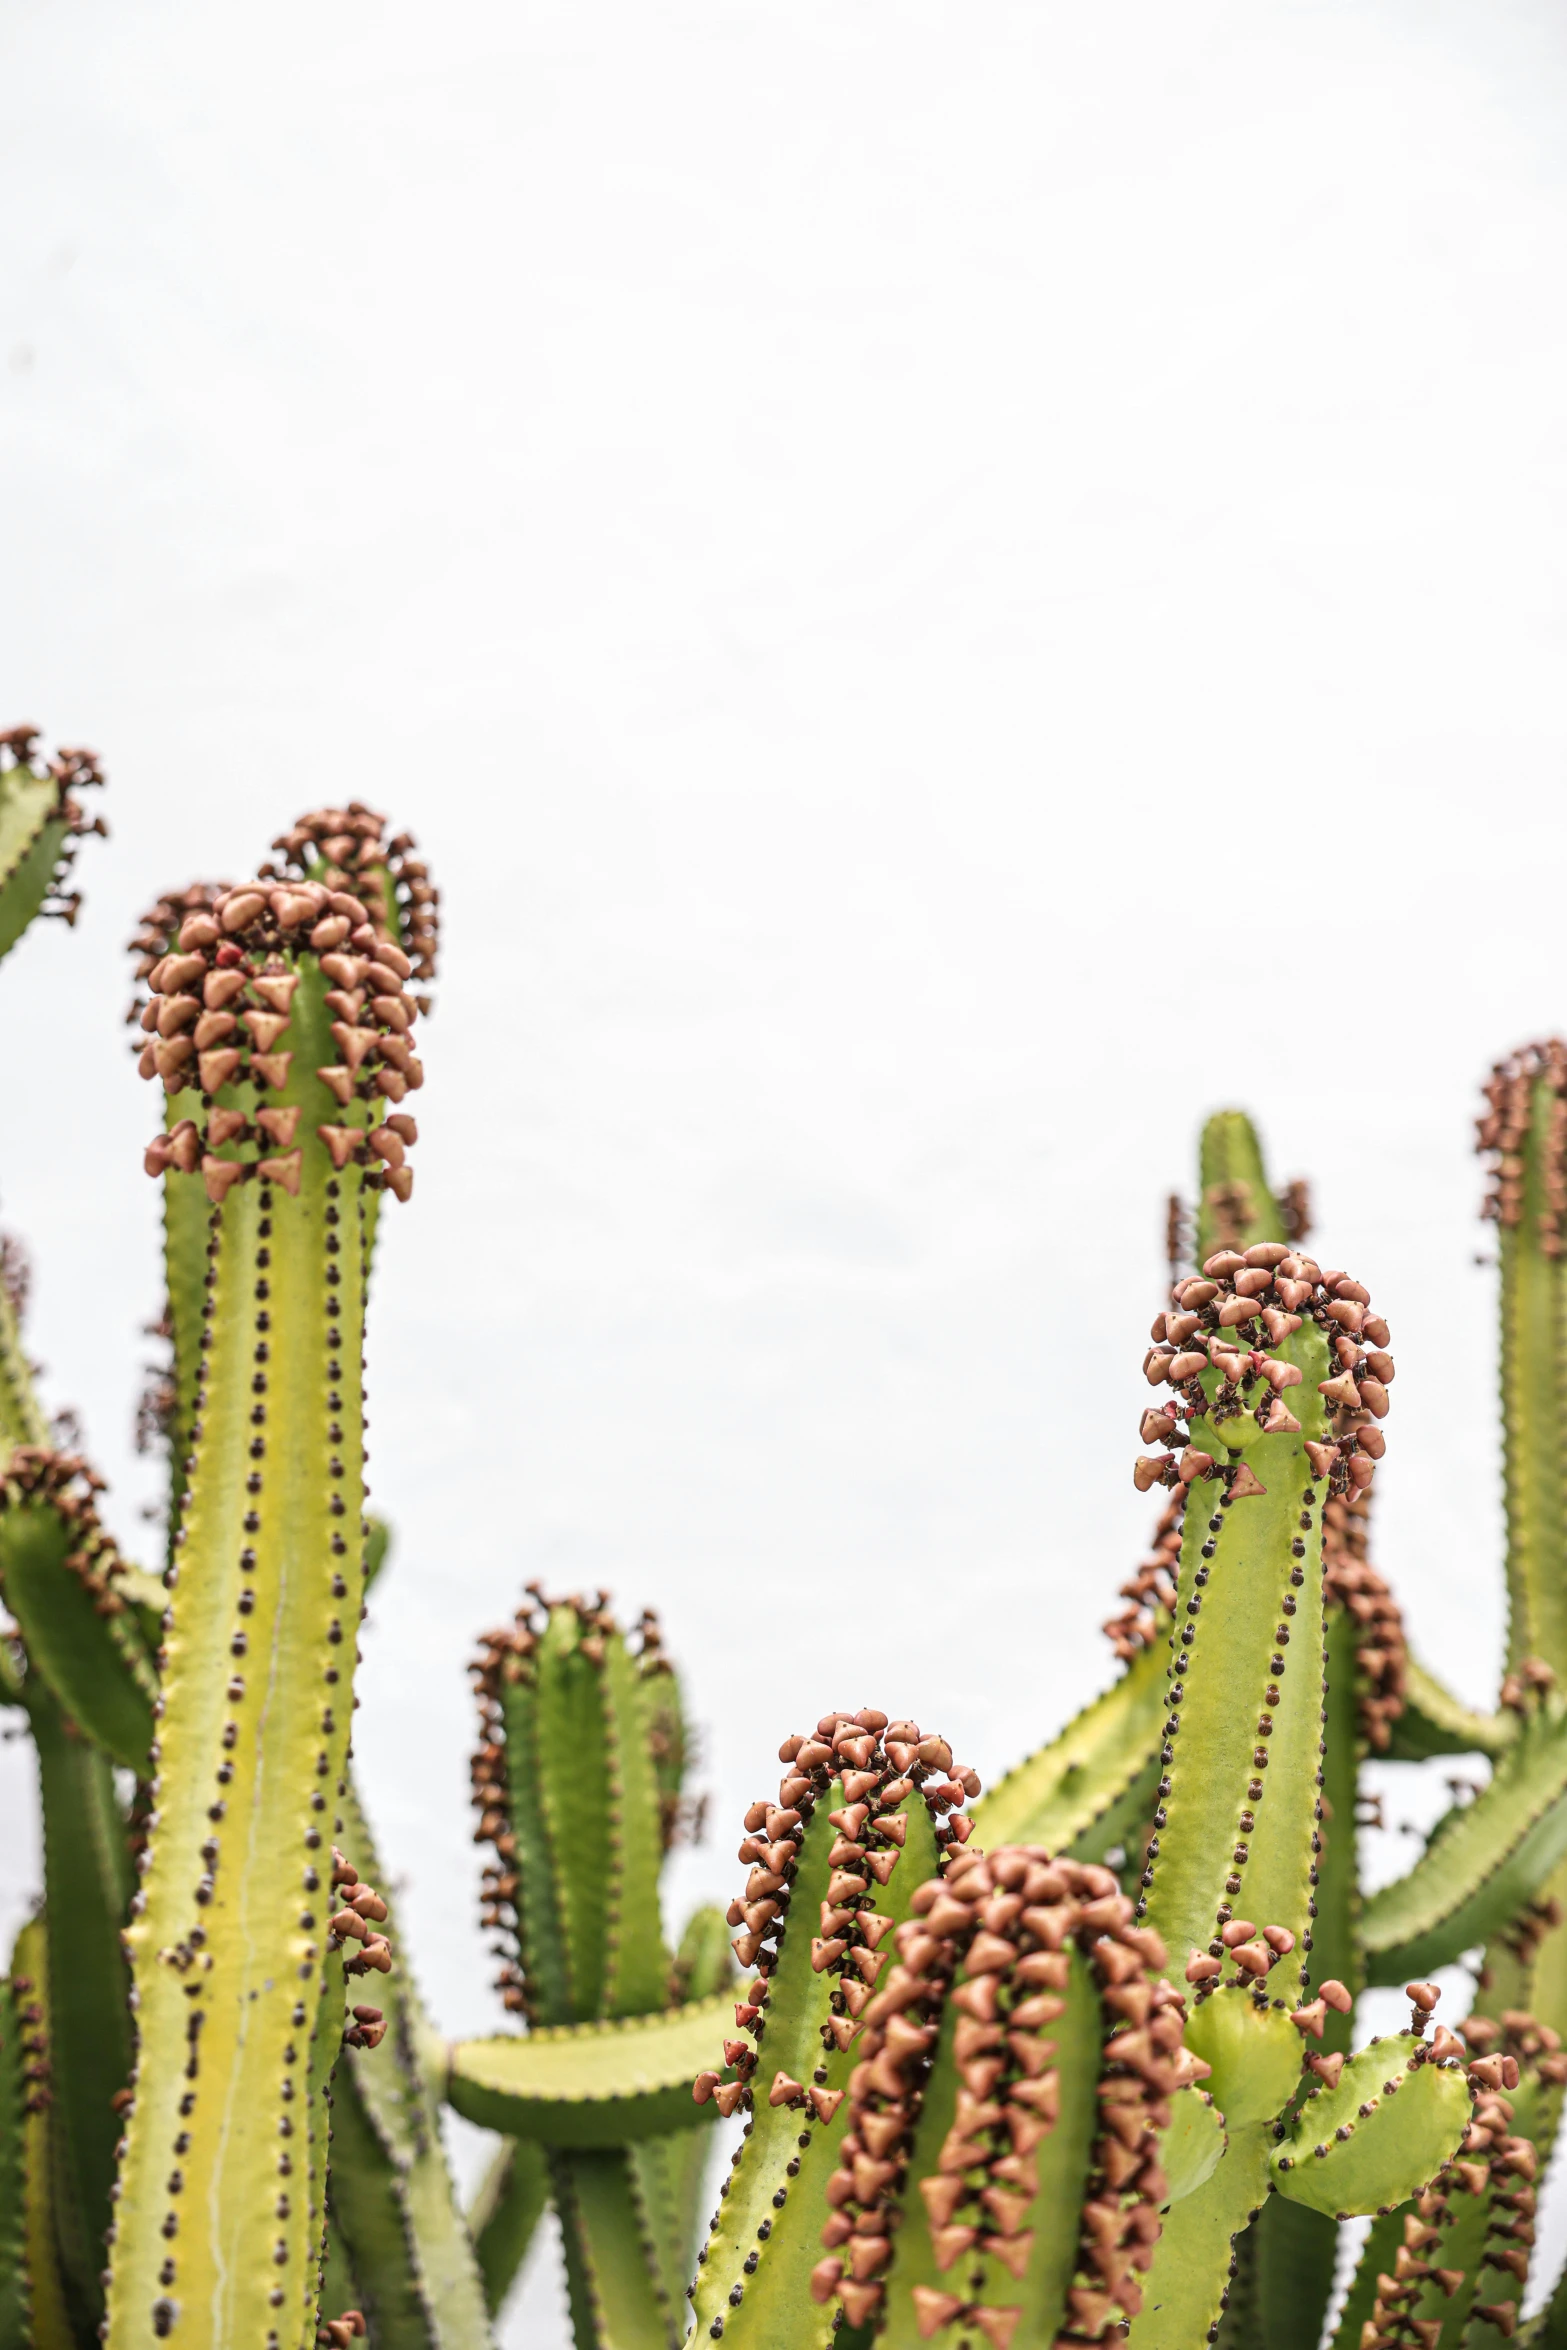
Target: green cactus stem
{"x": 48, "y": 2312}
{"x": 504, "y": 2216}
{"x": 61, "y": 1576}
{"x": 408, "y": 2254}
{"x": 1003, "y": 2171}
{"x": 87, "y": 1879}
{"x": 22, "y": 1418}
{"x": 864, "y": 1811}
{"x": 282, "y": 1017}
{"x": 41, "y": 821}
{"x": 14, "y": 2092}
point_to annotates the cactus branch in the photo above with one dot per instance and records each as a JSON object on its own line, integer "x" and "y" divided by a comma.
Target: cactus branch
{"x": 41, "y": 822}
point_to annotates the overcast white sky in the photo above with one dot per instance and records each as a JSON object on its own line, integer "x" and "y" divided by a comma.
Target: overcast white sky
{"x": 947, "y": 588}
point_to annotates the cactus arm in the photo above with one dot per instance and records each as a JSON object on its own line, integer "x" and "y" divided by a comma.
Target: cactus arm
{"x": 40, "y": 823}
{"x": 1488, "y": 1860}
{"x": 504, "y": 2216}
{"x": 59, "y": 1576}
{"x": 87, "y": 1877}
{"x": 13, "y": 2121}
{"x": 1524, "y": 1128}
{"x": 754, "y": 2275}
{"x": 1237, "y": 1206}
{"x": 669, "y": 2174}
{"x": 391, "y": 2158}
{"x": 258, "y": 1687}
{"x": 636, "y": 1969}
{"x": 1434, "y": 1722}
{"x": 1188, "y": 2285}
{"x": 616, "y": 2301}
{"x": 1340, "y": 2159}
{"x": 1252, "y": 1584}
{"x": 48, "y": 2310}
{"x": 369, "y": 2220}
{"x": 593, "y": 2084}
{"x": 1059, "y": 1793}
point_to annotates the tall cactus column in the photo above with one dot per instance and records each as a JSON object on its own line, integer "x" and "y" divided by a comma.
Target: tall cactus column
{"x": 282, "y": 1013}
{"x": 1275, "y": 1408}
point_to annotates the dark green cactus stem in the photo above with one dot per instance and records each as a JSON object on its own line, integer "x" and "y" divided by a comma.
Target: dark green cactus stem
{"x": 286, "y": 1006}
{"x": 504, "y": 2216}
{"x": 41, "y": 821}
{"x": 87, "y": 1880}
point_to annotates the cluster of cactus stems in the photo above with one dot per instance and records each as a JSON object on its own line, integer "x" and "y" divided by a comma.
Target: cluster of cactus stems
{"x": 1062, "y": 2062}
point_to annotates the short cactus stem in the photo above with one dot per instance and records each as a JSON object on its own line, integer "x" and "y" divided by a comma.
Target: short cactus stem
{"x": 279, "y": 1015}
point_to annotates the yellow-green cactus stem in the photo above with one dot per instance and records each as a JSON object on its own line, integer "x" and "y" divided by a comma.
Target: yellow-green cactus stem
{"x": 14, "y": 2092}
{"x": 864, "y": 1812}
{"x": 41, "y": 821}
{"x": 1522, "y": 1137}
{"x": 281, "y": 1015}
{"x": 48, "y": 2311}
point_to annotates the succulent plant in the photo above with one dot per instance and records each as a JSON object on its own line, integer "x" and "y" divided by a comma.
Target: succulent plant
{"x": 1061, "y": 2063}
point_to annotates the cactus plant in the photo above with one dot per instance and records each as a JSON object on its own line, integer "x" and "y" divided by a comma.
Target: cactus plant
{"x": 1013, "y": 2068}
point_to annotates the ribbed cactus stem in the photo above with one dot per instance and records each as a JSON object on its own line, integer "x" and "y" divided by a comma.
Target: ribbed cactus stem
{"x": 1523, "y": 1137}
{"x": 285, "y": 1005}
{"x": 1275, "y": 1409}
{"x": 864, "y": 1810}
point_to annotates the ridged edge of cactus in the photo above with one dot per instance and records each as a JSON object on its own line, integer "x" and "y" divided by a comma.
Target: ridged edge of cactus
{"x": 1483, "y": 1864}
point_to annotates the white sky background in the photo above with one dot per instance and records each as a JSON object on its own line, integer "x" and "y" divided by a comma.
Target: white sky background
{"x": 946, "y": 589}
